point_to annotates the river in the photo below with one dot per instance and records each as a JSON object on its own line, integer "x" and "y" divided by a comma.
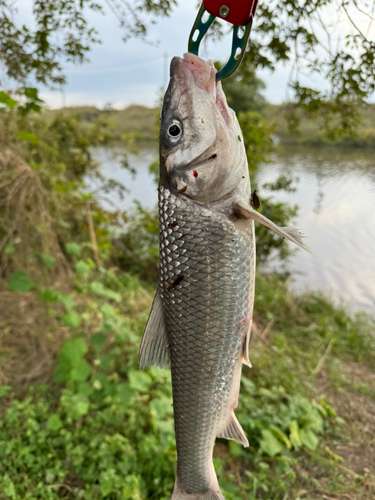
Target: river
{"x": 335, "y": 193}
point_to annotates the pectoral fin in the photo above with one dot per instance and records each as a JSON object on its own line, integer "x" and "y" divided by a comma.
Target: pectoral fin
{"x": 290, "y": 233}
{"x": 154, "y": 348}
{"x": 234, "y": 431}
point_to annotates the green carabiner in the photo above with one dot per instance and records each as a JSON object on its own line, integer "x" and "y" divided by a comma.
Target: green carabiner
{"x": 201, "y": 27}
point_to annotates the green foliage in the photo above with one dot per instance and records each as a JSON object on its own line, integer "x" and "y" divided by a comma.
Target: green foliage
{"x": 50, "y": 295}
{"x": 278, "y": 421}
{"x": 30, "y": 102}
{"x": 257, "y": 134}
{"x": 316, "y": 321}
{"x": 8, "y": 101}
{"x": 104, "y": 429}
{"x": 27, "y": 136}
{"x": 347, "y": 64}
{"x": 53, "y": 157}
{"x": 135, "y": 123}
{"x": 47, "y": 260}
{"x": 82, "y": 267}
{"x": 137, "y": 249}
{"x": 244, "y": 94}
{"x": 71, "y": 319}
{"x": 20, "y": 282}
{"x": 270, "y": 444}
{"x": 347, "y": 68}
{"x": 101, "y": 433}
{"x": 32, "y": 51}
{"x": 72, "y": 366}
{"x": 317, "y": 129}
{"x": 99, "y": 289}
{"x": 73, "y": 248}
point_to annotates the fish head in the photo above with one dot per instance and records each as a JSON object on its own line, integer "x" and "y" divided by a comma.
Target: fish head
{"x": 202, "y": 155}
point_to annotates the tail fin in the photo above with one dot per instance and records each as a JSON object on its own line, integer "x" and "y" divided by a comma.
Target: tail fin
{"x": 179, "y": 494}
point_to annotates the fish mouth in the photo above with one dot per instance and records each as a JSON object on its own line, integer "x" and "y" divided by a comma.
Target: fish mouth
{"x": 208, "y": 155}
{"x": 203, "y": 72}
{"x": 204, "y": 75}
{"x": 178, "y": 177}
{"x": 200, "y": 160}
{"x": 192, "y": 70}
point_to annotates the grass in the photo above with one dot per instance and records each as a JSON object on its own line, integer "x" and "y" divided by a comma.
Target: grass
{"x": 80, "y": 421}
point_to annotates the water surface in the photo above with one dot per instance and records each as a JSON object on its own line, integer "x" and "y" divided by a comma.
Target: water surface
{"x": 335, "y": 193}
{"x": 336, "y": 199}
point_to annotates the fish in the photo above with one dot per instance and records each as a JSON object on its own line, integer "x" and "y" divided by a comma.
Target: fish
{"x": 200, "y": 321}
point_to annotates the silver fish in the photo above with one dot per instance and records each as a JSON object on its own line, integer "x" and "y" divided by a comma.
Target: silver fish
{"x": 201, "y": 316}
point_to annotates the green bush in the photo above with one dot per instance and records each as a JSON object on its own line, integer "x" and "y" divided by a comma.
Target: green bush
{"x": 104, "y": 429}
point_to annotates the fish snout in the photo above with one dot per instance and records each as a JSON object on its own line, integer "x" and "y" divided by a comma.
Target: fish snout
{"x": 193, "y": 71}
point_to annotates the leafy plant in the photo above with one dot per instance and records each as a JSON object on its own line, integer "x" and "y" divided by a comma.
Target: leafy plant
{"x": 104, "y": 429}
{"x": 20, "y": 282}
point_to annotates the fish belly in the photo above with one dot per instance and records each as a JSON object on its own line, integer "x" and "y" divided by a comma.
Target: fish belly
{"x": 207, "y": 273}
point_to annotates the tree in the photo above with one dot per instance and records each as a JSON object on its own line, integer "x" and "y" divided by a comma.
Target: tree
{"x": 244, "y": 94}
{"x": 37, "y": 53}
{"x": 304, "y": 32}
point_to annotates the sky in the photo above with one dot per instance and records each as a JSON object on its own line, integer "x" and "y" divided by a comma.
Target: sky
{"x": 134, "y": 72}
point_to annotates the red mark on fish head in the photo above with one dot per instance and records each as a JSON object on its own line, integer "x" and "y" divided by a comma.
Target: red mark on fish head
{"x": 195, "y": 173}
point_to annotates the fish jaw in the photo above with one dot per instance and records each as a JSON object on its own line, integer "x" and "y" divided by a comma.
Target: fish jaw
{"x": 208, "y": 161}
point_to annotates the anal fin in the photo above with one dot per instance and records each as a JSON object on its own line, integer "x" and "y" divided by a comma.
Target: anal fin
{"x": 234, "y": 431}
{"x": 154, "y": 347}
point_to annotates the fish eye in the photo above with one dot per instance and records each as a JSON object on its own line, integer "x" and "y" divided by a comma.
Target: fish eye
{"x": 174, "y": 131}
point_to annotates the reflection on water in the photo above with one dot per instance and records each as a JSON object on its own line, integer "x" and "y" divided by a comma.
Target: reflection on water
{"x": 336, "y": 198}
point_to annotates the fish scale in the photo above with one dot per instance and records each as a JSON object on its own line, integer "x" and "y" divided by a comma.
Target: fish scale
{"x": 205, "y": 316}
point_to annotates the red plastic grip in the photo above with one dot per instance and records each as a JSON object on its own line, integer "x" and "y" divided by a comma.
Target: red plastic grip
{"x": 239, "y": 10}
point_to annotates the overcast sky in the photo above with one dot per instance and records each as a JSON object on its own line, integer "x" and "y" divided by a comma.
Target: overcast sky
{"x": 133, "y": 72}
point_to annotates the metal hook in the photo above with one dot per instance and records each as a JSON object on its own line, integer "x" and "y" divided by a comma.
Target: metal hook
{"x": 202, "y": 28}
{"x": 237, "y": 42}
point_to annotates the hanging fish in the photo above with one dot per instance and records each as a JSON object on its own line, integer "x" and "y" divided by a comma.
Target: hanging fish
{"x": 200, "y": 320}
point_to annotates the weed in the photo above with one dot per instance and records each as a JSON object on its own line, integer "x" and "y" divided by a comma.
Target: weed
{"x": 104, "y": 430}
